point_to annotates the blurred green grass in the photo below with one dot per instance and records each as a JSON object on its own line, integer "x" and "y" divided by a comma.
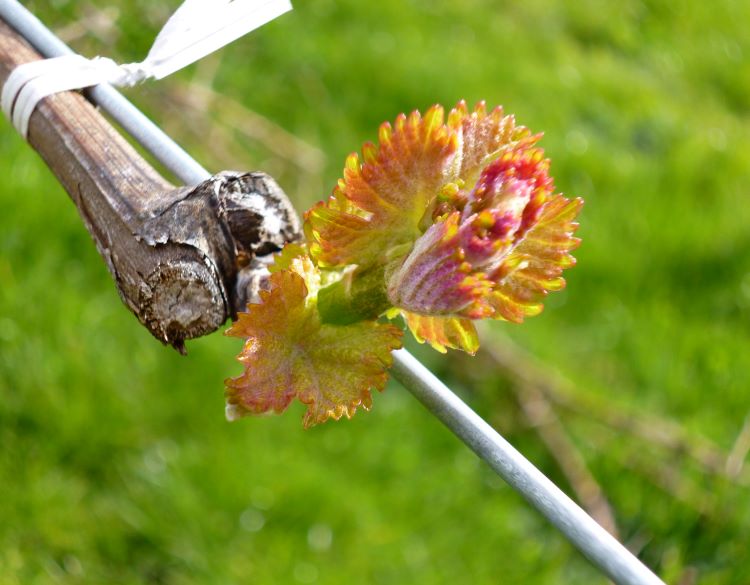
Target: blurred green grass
{"x": 117, "y": 465}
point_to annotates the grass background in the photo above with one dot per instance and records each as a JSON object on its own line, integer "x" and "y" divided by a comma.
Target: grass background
{"x": 116, "y": 463}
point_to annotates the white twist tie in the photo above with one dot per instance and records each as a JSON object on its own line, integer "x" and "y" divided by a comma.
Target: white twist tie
{"x": 196, "y": 29}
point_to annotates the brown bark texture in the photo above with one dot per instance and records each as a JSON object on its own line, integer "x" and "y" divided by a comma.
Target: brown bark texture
{"x": 184, "y": 259}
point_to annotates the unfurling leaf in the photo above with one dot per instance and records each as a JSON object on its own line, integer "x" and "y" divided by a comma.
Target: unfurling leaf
{"x": 376, "y": 209}
{"x": 536, "y": 263}
{"x": 443, "y": 333}
{"x": 500, "y": 254}
{"x": 289, "y": 353}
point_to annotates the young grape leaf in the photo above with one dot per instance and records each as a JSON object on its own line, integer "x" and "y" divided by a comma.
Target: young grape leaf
{"x": 289, "y": 354}
{"x": 536, "y": 263}
{"x": 443, "y": 333}
{"x": 376, "y": 209}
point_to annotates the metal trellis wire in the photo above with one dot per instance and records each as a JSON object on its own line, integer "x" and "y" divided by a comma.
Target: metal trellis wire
{"x": 601, "y": 548}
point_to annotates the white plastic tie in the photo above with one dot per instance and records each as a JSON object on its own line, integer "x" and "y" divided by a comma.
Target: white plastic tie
{"x": 196, "y": 29}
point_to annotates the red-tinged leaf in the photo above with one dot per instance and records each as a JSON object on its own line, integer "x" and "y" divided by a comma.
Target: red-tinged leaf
{"x": 288, "y": 353}
{"x": 436, "y": 279}
{"x": 482, "y": 138}
{"x": 450, "y": 267}
{"x": 336, "y": 238}
{"x": 376, "y": 209}
{"x": 536, "y": 263}
{"x": 443, "y": 333}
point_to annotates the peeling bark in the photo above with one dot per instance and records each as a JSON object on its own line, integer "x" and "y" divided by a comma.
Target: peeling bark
{"x": 184, "y": 259}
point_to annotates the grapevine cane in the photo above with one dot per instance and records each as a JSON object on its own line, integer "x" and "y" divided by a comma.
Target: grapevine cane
{"x": 165, "y": 246}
